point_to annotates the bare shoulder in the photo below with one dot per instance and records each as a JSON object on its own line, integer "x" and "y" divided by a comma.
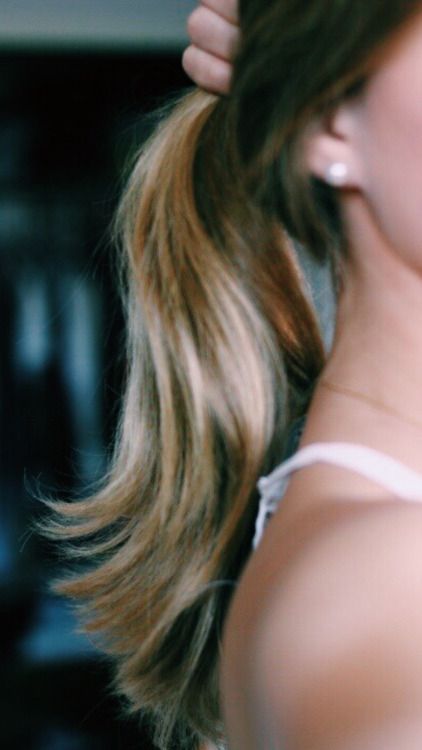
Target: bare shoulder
{"x": 336, "y": 643}
{"x": 339, "y": 647}
{"x": 376, "y": 549}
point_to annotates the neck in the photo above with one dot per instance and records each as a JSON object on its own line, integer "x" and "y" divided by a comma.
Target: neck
{"x": 378, "y": 341}
{"x": 377, "y": 348}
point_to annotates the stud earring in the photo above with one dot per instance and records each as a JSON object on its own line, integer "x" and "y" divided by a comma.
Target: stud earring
{"x": 337, "y": 174}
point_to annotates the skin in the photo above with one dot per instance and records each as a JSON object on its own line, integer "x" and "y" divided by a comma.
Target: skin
{"x": 377, "y": 351}
{"x": 214, "y": 34}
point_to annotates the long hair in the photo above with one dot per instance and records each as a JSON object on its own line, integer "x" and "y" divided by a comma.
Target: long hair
{"x": 223, "y": 352}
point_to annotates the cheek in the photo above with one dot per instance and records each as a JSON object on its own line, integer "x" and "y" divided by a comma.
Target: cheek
{"x": 392, "y": 152}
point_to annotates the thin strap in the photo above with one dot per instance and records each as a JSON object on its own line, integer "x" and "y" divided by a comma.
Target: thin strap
{"x": 374, "y": 465}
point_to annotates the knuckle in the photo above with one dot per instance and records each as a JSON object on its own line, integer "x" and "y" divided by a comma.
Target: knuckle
{"x": 214, "y": 76}
{"x": 206, "y": 71}
{"x": 227, "y": 9}
{"x": 188, "y": 61}
{"x": 195, "y": 23}
{"x": 220, "y": 75}
{"x": 193, "y": 65}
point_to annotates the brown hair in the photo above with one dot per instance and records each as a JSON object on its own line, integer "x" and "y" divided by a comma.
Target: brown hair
{"x": 224, "y": 349}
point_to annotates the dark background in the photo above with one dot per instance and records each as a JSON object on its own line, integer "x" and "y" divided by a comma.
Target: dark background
{"x": 69, "y": 123}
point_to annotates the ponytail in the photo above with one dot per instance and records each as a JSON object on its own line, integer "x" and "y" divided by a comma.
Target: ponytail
{"x": 223, "y": 348}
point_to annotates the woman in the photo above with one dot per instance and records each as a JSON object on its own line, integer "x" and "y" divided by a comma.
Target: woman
{"x": 319, "y": 142}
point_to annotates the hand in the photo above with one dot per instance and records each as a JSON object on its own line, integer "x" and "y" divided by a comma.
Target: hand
{"x": 214, "y": 32}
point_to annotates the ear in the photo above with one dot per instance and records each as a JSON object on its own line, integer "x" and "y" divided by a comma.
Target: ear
{"x": 331, "y": 147}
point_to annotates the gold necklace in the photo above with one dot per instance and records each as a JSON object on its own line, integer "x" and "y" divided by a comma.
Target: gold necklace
{"x": 345, "y": 391}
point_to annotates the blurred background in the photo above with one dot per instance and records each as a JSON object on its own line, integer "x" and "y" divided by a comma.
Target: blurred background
{"x": 76, "y": 80}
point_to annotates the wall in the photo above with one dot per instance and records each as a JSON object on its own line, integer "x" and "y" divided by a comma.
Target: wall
{"x": 136, "y": 24}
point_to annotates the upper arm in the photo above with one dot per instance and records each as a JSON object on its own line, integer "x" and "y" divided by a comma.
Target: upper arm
{"x": 338, "y": 654}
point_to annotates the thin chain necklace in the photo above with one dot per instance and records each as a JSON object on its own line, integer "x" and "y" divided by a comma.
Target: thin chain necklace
{"x": 369, "y": 400}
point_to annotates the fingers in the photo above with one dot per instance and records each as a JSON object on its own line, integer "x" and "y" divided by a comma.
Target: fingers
{"x": 212, "y": 33}
{"x": 207, "y": 71}
{"x": 226, "y": 8}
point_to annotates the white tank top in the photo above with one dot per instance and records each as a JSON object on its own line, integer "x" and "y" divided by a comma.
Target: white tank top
{"x": 386, "y": 471}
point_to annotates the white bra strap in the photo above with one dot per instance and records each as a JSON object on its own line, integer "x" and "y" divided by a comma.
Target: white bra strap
{"x": 374, "y": 465}
{"x": 377, "y": 466}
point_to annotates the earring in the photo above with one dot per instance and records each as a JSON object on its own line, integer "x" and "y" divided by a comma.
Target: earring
{"x": 337, "y": 174}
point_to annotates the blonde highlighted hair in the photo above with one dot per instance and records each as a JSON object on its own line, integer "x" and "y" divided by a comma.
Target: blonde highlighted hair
{"x": 223, "y": 351}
